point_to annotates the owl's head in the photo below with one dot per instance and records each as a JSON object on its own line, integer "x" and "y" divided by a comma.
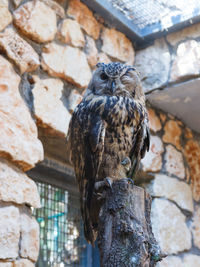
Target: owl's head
{"x": 116, "y": 79}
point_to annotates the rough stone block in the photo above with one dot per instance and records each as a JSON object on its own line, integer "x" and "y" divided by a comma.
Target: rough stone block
{"x": 36, "y": 20}
{"x": 68, "y": 63}
{"x": 70, "y": 33}
{"x": 73, "y": 100}
{"x": 5, "y": 15}
{"x": 170, "y": 261}
{"x": 172, "y": 189}
{"x": 195, "y": 227}
{"x": 187, "y": 32}
{"x": 153, "y": 63}
{"x": 58, "y": 9}
{"x": 154, "y": 121}
{"x": 18, "y": 133}
{"x": 117, "y": 45}
{"x": 192, "y": 154}
{"x": 169, "y": 227}
{"x": 85, "y": 18}
{"x": 188, "y": 133}
{"x": 172, "y": 133}
{"x": 152, "y": 161}
{"x": 91, "y": 52}
{"x": 9, "y": 231}
{"x": 6, "y": 264}
{"x": 23, "y": 263}
{"x": 174, "y": 162}
{"x": 102, "y": 57}
{"x": 187, "y": 61}
{"x": 16, "y": 187}
{"x": 29, "y": 228}
{"x": 18, "y": 50}
{"x": 52, "y": 114}
{"x": 191, "y": 260}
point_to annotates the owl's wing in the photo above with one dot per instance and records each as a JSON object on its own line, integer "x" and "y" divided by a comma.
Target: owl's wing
{"x": 141, "y": 144}
{"x": 87, "y": 132}
{"x": 146, "y": 142}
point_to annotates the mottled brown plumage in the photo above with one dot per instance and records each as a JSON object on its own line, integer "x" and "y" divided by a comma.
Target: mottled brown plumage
{"x": 108, "y": 135}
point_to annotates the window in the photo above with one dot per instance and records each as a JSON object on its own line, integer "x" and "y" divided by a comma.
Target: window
{"x": 61, "y": 238}
{"x": 62, "y": 241}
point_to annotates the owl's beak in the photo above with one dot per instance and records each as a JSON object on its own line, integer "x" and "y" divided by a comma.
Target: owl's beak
{"x": 113, "y": 86}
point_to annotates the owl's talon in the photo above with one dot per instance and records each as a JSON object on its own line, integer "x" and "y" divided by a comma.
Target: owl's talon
{"x": 126, "y": 162}
{"x": 108, "y": 182}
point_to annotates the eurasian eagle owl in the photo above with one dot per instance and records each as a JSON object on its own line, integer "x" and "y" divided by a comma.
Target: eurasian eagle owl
{"x": 108, "y": 135}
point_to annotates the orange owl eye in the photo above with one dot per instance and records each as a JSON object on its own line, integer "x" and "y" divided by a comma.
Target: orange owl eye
{"x": 103, "y": 76}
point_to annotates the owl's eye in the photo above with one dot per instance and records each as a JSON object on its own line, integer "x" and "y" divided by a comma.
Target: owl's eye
{"x": 103, "y": 76}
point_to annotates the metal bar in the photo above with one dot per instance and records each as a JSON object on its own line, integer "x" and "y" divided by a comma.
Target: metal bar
{"x": 51, "y": 217}
{"x": 61, "y": 238}
{"x": 149, "y": 32}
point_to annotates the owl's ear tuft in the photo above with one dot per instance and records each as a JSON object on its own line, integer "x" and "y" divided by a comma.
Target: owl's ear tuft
{"x": 99, "y": 65}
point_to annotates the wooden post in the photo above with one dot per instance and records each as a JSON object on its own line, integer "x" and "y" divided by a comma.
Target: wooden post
{"x": 125, "y": 237}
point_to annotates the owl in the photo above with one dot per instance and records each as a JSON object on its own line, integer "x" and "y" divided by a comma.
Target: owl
{"x": 108, "y": 135}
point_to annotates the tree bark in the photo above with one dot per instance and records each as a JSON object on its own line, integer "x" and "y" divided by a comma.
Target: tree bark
{"x": 125, "y": 237}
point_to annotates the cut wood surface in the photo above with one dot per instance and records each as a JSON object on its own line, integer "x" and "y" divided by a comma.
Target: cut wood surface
{"x": 125, "y": 235}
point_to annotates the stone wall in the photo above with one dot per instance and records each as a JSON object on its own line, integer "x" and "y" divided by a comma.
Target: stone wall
{"x": 48, "y": 50}
{"x": 171, "y": 59}
{"x": 174, "y": 156}
{"x": 47, "y": 53}
{"x": 172, "y": 178}
{"x": 20, "y": 150}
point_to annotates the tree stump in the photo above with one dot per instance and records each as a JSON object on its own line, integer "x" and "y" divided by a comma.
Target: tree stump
{"x": 125, "y": 237}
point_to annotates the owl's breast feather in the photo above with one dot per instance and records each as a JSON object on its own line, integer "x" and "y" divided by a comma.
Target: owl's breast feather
{"x": 114, "y": 109}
